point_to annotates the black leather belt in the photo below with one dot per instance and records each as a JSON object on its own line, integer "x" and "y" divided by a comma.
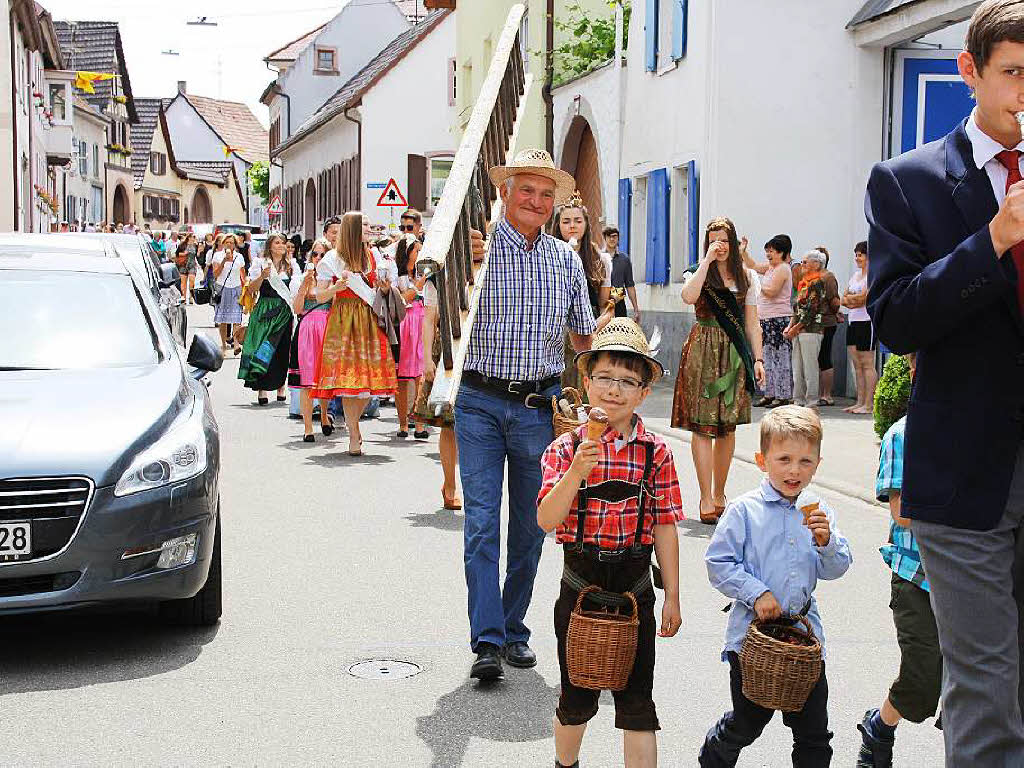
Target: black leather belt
{"x": 517, "y": 391}
{"x": 604, "y": 597}
{"x": 594, "y": 552}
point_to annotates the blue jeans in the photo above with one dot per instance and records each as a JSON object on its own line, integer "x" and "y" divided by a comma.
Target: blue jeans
{"x": 489, "y": 431}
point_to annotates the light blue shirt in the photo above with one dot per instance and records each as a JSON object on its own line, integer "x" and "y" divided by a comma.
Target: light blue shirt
{"x": 761, "y": 544}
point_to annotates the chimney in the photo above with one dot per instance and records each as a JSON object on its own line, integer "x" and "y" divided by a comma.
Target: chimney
{"x": 181, "y": 87}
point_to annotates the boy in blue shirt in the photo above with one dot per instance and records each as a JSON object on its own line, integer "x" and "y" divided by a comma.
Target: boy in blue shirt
{"x": 768, "y": 557}
{"x": 914, "y": 695}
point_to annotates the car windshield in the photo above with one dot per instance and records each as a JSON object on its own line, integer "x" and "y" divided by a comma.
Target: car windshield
{"x": 73, "y": 320}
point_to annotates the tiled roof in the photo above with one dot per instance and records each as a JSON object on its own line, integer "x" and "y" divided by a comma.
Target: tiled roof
{"x": 216, "y": 172}
{"x": 351, "y": 92}
{"x": 290, "y": 51}
{"x": 95, "y": 46}
{"x": 874, "y": 9}
{"x": 237, "y": 126}
{"x": 142, "y": 135}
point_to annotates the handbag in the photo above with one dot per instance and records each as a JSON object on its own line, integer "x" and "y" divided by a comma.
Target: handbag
{"x": 247, "y": 300}
{"x": 202, "y": 295}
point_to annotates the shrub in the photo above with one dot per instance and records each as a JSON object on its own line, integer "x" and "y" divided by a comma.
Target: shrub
{"x": 892, "y": 394}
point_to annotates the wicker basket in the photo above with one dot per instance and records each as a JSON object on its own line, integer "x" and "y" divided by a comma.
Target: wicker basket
{"x": 562, "y": 423}
{"x": 600, "y": 647}
{"x": 777, "y": 674}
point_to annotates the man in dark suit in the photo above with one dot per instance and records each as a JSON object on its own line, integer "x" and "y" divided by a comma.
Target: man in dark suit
{"x": 947, "y": 281}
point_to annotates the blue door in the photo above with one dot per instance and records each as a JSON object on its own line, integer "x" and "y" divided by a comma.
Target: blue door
{"x": 929, "y": 100}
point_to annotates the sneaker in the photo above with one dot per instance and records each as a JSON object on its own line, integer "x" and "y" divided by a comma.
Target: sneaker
{"x": 874, "y": 752}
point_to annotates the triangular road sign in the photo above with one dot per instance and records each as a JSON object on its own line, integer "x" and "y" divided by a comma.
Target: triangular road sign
{"x": 392, "y": 196}
{"x": 276, "y": 208}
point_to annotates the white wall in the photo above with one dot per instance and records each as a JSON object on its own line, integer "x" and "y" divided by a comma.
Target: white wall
{"x": 191, "y": 137}
{"x": 784, "y": 134}
{"x": 394, "y": 128}
{"x": 7, "y": 134}
{"x": 336, "y": 141}
{"x": 359, "y": 32}
{"x": 598, "y": 94}
{"x": 93, "y": 131}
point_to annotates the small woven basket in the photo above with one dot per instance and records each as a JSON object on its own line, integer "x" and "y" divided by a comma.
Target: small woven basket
{"x": 600, "y": 647}
{"x": 562, "y": 423}
{"x": 778, "y": 674}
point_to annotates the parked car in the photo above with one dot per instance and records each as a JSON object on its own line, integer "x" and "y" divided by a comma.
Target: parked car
{"x": 112, "y": 497}
{"x": 237, "y": 229}
{"x": 160, "y": 276}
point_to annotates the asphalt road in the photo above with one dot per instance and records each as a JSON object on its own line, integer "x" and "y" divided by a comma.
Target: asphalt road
{"x": 331, "y": 560}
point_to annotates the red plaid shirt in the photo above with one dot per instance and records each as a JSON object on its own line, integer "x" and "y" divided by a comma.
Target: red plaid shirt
{"x": 612, "y": 525}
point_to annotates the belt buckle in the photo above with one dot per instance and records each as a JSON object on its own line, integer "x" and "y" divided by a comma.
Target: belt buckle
{"x": 513, "y": 388}
{"x": 526, "y": 402}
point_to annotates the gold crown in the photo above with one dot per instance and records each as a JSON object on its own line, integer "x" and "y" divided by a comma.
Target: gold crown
{"x": 576, "y": 201}
{"x": 719, "y": 223}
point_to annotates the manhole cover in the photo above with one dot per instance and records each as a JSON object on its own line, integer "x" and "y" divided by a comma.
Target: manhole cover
{"x": 383, "y": 669}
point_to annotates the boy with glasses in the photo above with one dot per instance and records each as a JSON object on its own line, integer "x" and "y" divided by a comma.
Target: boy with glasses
{"x": 612, "y": 502}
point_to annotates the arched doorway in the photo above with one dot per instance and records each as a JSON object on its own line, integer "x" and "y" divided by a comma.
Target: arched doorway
{"x": 120, "y": 208}
{"x": 580, "y": 158}
{"x": 309, "y": 211}
{"x": 185, "y": 218}
{"x": 202, "y": 211}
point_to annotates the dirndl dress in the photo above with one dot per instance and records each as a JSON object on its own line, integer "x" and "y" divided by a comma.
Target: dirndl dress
{"x": 410, "y": 358}
{"x": 228, "y": 310}
{"x": 708, "y": 359}
{"x": 307, "y": 343}
{"x": 356, "y": 358}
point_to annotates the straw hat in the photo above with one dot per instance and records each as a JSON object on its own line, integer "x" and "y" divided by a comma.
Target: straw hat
{"x": 622, "y": 335}
{"x": 539, "y": 163}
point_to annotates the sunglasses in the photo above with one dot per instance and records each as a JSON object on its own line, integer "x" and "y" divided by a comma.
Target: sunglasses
{"x": 406, "y": 227}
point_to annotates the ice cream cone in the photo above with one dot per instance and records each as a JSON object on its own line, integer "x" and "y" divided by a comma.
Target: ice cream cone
{"x": 597, "y": 422}
{"x": 808, "y": 509}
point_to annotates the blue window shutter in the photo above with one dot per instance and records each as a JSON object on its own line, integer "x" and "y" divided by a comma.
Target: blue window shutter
{"x": 657, "y": 271}
{"x": 693, "y": 211}
{"x": 651, "y": 35}
{"x": 625, "y": 212}
{"x": 679, "y": 8}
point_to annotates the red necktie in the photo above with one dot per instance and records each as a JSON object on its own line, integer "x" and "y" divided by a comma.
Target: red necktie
{"x": 1010, "y": 160}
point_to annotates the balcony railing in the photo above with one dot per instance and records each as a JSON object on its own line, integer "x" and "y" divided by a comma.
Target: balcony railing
{"x": 470, "y": 201}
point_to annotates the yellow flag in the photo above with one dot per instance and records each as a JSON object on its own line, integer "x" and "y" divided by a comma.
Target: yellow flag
{"x": 228, "y": 150}
{"x": 84, "y": 80}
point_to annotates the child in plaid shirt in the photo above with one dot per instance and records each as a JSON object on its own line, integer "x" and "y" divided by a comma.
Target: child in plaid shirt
{"x": 627, "y": 507}
{"x": 914, "y": 695}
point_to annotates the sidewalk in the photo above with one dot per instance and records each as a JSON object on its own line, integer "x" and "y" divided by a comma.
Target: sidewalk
{"x": 849, "y": 450}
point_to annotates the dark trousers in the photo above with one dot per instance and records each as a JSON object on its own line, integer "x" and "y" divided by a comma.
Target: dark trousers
{"x": 741, "y": 727}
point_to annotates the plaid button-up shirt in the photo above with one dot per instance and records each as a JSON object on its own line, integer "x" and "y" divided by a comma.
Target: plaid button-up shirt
{"x": 528, "y": 298}
{"x": 901, "y": 553}
{"x": 612, "y": 525}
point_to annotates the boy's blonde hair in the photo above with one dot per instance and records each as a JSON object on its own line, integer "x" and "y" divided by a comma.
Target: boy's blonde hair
{"x": 790, "y": 421}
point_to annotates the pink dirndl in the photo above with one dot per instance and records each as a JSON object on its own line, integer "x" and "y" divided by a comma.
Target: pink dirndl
{"x": 410, "y": 359}
{"x": 311, "y": 342}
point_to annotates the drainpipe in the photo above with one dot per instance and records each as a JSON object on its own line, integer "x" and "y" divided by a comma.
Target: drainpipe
{"x": 359, "y": 154}
{"x": 14, "y": 125}
{"x": 549, "y": 76}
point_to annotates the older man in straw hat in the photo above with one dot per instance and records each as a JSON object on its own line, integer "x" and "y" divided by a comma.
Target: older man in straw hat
{"x": 535, "y": 287}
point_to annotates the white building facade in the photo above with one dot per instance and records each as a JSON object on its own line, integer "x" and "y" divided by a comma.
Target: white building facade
{"x": 373, "y": 130}
{"x": 84, "y": 193}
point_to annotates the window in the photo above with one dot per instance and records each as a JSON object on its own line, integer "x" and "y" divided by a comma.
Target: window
{"x": 524, "y": 41}
{"x": 71, "y": 208}
{"x": 83, "y": 158}
{"x": 158, "y": 163}
{"x": 96, "y": 210}
{"x": 325, "y": 60}
{"x": 95, "y": 159}
{"x": 440, "y": 169}
{"x": 638, "y": 224}
{"x": 275, "y": 132}
{"x": 58, "y": 102}
{"x": 656, "y": 267}
{"x": 665, "y": 28}
{"x": 679, "y": 207}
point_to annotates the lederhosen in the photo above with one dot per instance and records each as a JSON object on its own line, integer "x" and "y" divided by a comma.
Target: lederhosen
{"x": 615, "y": 571}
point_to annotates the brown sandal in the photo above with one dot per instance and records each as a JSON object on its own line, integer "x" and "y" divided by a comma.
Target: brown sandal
{"x": 450, "y": 503}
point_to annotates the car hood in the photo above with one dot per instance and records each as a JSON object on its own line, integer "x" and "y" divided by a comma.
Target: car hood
{"x": 86, "y": 422}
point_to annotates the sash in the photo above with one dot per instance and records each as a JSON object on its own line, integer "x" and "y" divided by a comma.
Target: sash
{"x": 359, "y": 286}
{"x": 727, "y": 313}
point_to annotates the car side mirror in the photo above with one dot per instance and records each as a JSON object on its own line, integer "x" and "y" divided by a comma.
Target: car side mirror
{"x": 204, "y": 354}
{"x": 169, "y": 275}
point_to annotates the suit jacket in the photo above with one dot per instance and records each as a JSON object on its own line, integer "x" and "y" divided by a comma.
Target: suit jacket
{"x": 938, "y": 288}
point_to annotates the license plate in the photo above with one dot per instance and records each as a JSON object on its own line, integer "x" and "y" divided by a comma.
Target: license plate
{"x": 15, "y": 540}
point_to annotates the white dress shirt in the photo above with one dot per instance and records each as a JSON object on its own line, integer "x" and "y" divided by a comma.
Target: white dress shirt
{"x": 985, "y": 149}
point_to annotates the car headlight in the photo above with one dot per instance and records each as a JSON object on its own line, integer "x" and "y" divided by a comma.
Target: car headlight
{"x": 178, "y": 455}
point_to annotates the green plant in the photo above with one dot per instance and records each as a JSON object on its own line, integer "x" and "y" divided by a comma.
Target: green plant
{"x": 892, "y": 394}
{"x": 259, "y": 179}
{"x": 591, "y": 41}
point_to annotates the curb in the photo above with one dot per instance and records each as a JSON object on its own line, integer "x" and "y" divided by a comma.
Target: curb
{"x": 836, "y": 486}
